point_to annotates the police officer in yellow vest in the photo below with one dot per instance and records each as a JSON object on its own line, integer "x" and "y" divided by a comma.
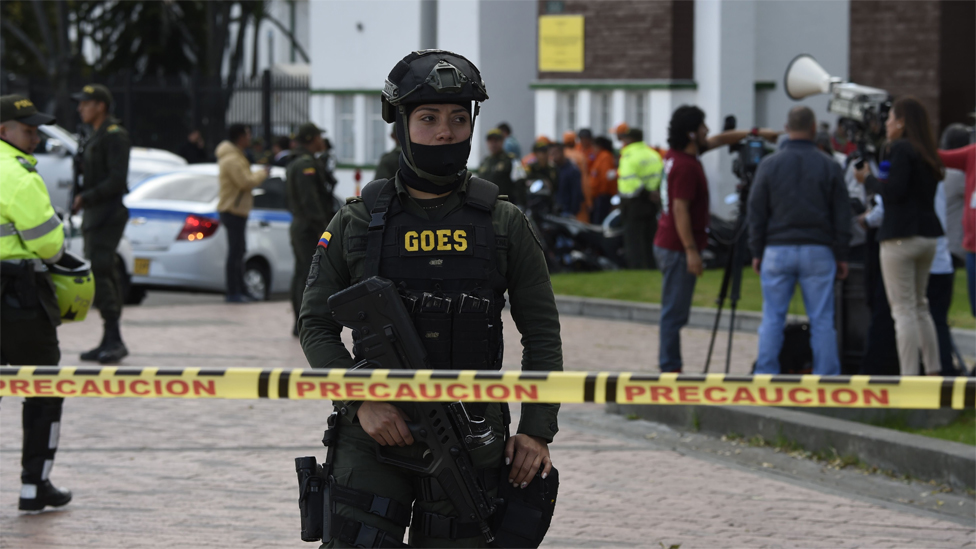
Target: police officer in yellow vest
{"x": 32, "y": 301}
{"x": 638, "y": 181}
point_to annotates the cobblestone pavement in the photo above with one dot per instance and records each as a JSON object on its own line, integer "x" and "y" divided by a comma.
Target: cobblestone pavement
{"x": 199, "y": 473}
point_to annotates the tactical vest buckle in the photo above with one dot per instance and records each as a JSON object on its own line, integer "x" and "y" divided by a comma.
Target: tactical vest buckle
{"x": 377, "y": 219}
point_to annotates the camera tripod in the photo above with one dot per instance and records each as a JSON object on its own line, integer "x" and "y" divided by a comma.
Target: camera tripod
{"x": 732, "y": 277}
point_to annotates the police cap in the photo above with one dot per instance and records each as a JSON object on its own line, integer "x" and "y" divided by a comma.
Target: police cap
{"x": 95, "y": 92}
{"x": 307, "y": 132}
{"x": 495, "y": 133}
{"x": 21, "y": 109}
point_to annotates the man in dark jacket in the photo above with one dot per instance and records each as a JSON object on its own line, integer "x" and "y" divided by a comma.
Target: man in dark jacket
{"x": 310, "y": 203}
{"x": 105, "y": 167}
{"x": 799, "y": 231}
{"x": 569, "y": 182}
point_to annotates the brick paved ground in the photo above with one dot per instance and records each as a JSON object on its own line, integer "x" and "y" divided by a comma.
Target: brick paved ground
{"x": 195, "y": 473}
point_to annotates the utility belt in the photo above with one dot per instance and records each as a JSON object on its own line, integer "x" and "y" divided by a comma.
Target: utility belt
{"x": 521, "y": 519}
{"x": 19, "y": 284}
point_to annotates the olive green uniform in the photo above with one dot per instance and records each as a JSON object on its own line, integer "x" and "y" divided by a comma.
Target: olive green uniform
{"x": 519, "y": 259}
{"x": 105, "y": 169}
{"x": 310, "y": 203}
{"x": 497, "y": 168}
{"x": 388, "y": 165}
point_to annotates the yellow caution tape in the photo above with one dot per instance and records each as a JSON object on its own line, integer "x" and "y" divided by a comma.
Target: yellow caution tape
{"x": 479, "y": 386}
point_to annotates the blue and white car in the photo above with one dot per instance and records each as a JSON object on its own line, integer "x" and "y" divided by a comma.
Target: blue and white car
{"x": 178, "y": 242}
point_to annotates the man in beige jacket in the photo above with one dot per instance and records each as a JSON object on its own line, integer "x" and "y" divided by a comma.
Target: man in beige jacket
{"x": 236, "y": 182}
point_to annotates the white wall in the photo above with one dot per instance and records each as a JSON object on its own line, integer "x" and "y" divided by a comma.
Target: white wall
{"x": 458, "y": 31}
{"x": 725, "y": 58}
{"x": 785, "y": 29}
{"x": 507, "y": 59}
{"x": 345, "y": 57}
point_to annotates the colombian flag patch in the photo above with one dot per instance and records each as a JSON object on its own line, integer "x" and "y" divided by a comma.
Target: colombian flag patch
{"x": 309, "y": 171}
{"x": 324, "y": 240}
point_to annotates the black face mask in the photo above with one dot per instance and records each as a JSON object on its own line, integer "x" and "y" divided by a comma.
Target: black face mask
{"x": 445, "y": 163}
{"x": 442, "y": 160}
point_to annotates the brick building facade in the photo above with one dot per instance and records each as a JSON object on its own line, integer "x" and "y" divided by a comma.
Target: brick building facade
{"x": 921, "y": 48}
{"x": 634, "y": 40}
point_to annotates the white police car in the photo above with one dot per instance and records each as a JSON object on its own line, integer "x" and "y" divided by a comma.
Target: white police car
{"x": 178, "y": 242}
{"x": 54, "y": 163}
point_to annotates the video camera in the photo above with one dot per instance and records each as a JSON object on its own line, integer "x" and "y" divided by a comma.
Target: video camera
{"x": 862, "y": 109}
{"x": 749, "y": 153}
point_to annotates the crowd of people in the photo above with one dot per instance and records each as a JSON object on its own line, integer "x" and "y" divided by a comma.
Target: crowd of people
{"x": 816, "y": 205}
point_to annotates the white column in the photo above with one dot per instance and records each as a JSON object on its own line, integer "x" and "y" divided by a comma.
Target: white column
{"x": 725, "y": 60}
{"x": 545, "y": 116}
{"x": 618, "y": 113}
{"x": 660, "y": 109}
{"x": 359, "y": 125}
{"x": 322, "y": 111}
{"x": 584, "y": 102}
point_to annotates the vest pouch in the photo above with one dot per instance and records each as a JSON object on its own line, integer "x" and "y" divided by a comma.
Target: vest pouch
{"x": 433, "y": 322}
{"x": 472, "y": 326}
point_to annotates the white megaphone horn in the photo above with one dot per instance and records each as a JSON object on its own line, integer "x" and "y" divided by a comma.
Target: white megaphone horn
{"x": 804, "y": 77}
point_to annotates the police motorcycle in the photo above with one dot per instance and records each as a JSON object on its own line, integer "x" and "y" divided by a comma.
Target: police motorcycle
{"x": 570, "y": 244}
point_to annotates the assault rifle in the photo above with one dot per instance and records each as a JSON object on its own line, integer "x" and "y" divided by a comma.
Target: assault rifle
{"x": 388, "y": 339}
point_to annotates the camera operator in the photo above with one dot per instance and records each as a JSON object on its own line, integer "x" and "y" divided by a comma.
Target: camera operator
{"x": 683, "y": 224}
{"x": 799, "y": 232}
{"x": 909, "y": 230}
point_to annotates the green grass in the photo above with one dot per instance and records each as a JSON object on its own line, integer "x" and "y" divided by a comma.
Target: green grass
{"x": 963, "y": 429}
{"x": 645, "y": 286}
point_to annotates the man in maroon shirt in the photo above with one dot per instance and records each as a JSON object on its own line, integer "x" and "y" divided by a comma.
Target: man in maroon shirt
{"x": 682, "y": 227}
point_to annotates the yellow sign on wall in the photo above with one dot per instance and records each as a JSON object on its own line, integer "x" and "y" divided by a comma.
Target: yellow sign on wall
{"x": 561, "y": 43}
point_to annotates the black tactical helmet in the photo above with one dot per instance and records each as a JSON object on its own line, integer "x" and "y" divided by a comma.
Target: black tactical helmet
{"x": 432, "y": 76}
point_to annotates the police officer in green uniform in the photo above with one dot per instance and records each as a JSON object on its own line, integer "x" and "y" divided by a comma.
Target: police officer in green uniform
{"x": 31, "y": 237}
{"x": 429, "y": 96}
{"x": 310, "y": 202}
{"x": 390, "y": 161}
{"x": 541, "y": 169}
{"x": 105, "y": 166}
{"x": 503, "y": 169}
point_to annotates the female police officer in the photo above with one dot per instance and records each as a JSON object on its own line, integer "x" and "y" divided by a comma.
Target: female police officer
{"x": 395, "y": 231}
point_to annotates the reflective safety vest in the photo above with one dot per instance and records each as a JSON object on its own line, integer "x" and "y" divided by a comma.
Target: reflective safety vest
{"x": 640, "y": 168}
{"x": 29, "y": 228}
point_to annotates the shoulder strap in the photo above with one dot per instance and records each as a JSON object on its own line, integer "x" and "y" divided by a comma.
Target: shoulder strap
{"x": 377, "y": 196}
{"x": 26, "y": 164}
{"x": 482, "y": 194}
{"x": 371, "y": 192}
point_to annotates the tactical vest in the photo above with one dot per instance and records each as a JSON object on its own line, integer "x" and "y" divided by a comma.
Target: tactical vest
{"x": 445, "y": 271}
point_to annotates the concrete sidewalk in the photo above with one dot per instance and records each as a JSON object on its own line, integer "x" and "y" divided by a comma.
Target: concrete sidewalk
{"x": 202, "y": 473}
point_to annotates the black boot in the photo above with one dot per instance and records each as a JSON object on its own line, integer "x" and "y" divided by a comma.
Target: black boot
{"x": 34, "y": 497}
{"x": 92, "y": 355}
{"x": 114, "y": 350}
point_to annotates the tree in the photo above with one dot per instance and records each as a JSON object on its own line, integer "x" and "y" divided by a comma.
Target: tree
{"x": 191, "y": 40}
{"x": 37, "y": 40}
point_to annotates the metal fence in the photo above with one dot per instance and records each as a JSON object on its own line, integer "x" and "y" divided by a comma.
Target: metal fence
{"x": 160, "y": 112}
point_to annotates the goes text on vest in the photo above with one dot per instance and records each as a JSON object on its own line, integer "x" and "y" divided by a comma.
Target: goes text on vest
{"x": 447, "y": 240}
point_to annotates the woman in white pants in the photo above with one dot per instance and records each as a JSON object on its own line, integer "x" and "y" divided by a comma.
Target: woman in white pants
{"x": 909, "y": 230}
